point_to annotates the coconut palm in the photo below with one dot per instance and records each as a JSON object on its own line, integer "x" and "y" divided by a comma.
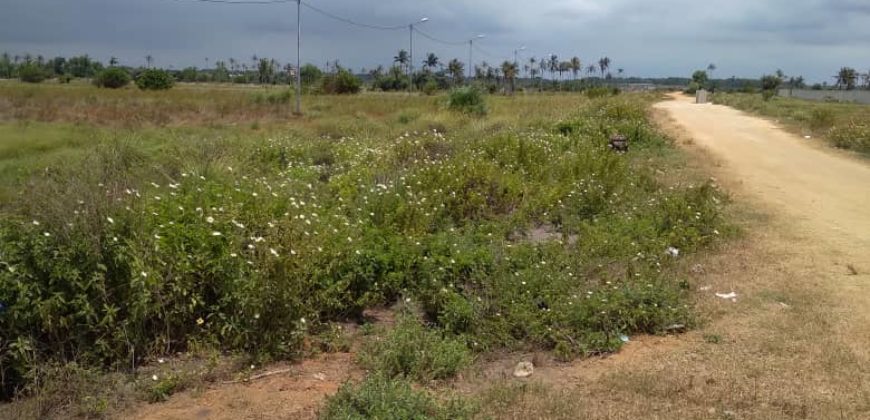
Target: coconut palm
{"x": 149, "y": 60}
{"x": 576, "y": 66}
{"x": 456, "y": 70}
{"x": 603, "y": 65}
{"x": 402, "y": 58}
{"x": 509, "y": 69}
{"x": 431, "y": 61}
{"x": 592, "y": 69}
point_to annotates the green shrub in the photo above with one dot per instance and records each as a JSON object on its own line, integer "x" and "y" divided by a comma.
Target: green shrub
{"x": 379, "y": 397}
{"x": 341, "y": 83}
{"x": 854, "y": 135}
{"x": 411, "y": 350}
{"x": 601, "y": 92}
{"x": 468, "y": 100}
{"x": 31, "y": 73}
{"x": 155, "y": 79}
{"x": 821, "y": 119}
{"x": 430, "y": 87}
{"x": 112, "y": 78}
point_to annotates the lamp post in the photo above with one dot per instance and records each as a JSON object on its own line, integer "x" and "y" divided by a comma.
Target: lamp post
{"x": 411, "y": 53}
{"x": 298, "y": 57}
{"x": 470, "y": 48}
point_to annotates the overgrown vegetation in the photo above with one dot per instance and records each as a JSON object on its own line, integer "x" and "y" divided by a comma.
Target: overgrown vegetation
{"x": 468, "y": 100}
{"x": 112, "y": 78}
{"x": 155, "y": 79}
{"x": 382, "y": 398}
{"x": 250, "y": 242}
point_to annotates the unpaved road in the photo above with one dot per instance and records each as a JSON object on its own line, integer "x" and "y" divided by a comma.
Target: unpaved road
{"x": 830, "y": 193}
{"x": 795, "y": 344}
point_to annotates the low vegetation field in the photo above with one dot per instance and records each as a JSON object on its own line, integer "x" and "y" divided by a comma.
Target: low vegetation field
{"x": 843, "y": 125}
{"x": 138, "y": 226}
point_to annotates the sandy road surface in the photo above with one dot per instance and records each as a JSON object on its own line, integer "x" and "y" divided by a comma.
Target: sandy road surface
{"x": 827, "y": 192}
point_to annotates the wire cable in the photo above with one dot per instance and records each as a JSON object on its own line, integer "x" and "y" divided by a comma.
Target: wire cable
{"x": 352, "y": 22}
{"x": 440, "y": 41}
{"x": 239, "y": 1}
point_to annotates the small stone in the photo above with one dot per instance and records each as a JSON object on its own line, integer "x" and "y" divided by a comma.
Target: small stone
{"x": 524, "y": 370}
{"x": 320, "y": 376}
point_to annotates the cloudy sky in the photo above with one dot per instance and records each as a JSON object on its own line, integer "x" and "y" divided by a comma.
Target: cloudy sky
{"x": 645, "y": 37}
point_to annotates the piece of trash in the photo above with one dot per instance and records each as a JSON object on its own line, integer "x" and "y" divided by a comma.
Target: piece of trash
{"x": 624, "y": 338}
{"x": 319, "y": 376}
{"x": 673, "y": 328}
{"x": 153, "y": 377}
{"x": 731, "y": 295}
{"x": 524, "y": 370}
{"x": 674, "y": 252}
{"x": 705, "y": 288}
{"x": 808, "y": 137}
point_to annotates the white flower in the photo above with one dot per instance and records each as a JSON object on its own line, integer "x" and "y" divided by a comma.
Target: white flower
{"x": 35, "y": 223}
{"x": 216, "y": 233}
{"x": 273, "y": 252}
{"x": 209, "y": 219}
{"x": 674, "y": 252}
{"x": 112, "y": 221}
{"x": 144, "y": 274}
{"x": 153, "y": 377}
{"x": 46, "y": 234}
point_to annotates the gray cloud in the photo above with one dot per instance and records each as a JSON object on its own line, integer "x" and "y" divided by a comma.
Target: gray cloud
{"x": 655, "y": 38}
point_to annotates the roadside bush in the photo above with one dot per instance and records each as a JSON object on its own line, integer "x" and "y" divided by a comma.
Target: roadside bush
{"x": 31, "y": 73}
{"x": 601, "y": 92}
{"x": 112, "y": 78}
{"x": 821, "y": 119}
{"x": 468, "y": 100}
{"x": 379, "y": 397}
{"x": 852, "y": 136}
{"x": 430, "y": 87}
{"x": 341, "y": 83}
{"x": 414, "y": 351}
{"x": 155, "y": 79}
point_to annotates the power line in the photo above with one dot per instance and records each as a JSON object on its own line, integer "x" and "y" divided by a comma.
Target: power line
{"x": 352, "y": 22}
{"x": 240, "y": 1}
{"x": 440, "y": 41}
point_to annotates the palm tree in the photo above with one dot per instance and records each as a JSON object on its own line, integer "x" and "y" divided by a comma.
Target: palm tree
{"x": 576, "y": 66}
{"x": 592, "y": 69}
{"x": 149, "y": 60}
{"x": 846, "y": 78}
{"x": 402, "y": 59}
{"x": 113, "y": 61}
{"x": 564, "y": 66}
{"x": 554, "y": 65}
{"x": 431, "y": 61}
{"x": 456, "y": 70}
{"x": 509, "y": 69}
{"x": 603, "y": 65}
{"x": 710, "y": 69}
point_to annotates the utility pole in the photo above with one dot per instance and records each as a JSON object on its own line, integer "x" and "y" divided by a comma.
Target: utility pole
{"x": 470, "y": 61}
{"x": 298, "y": 57}
{"x": 411, "y": 54}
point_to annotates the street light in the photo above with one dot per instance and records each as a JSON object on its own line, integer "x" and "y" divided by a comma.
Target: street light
{"x": 411, "y": 51}
{"x": 470, "y": 48}
{"x": 298, "y": 57}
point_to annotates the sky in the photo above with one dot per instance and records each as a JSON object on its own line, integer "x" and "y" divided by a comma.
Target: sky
{"x": 649, "y": 38}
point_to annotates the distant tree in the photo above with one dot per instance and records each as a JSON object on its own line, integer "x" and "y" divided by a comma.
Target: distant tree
{"x": 576, "y": 66}
{"x": 112, "y": 78}
{"x": 266, "y": 71}
{"x": 456, "y": 70}
{"x": 866, "y": 78}
{"x": 188, "y": 74}
{"x": 149, "y": 61}
{"x": 700, "y": 77}
{"x": 846, "y": 78}
{"x": 220, "y": 74}
{"x": 57, "y": 65}
{"x": 710, "y": 69}
{"x": 82, "y": 66}
{"x": 402, "y": 59}
{"x": 155, "y": 79}
{"x": 603, "y": 65}
{"x": 564, "y": 66}
{"x": 509, "y": 69}
{"x": 31, "y": 72}
{"x": 431, "y": 61}
{"x": 592, "y": 69}
{"x": 310, "y": 74}
{"x": 113, "y": 61}
{"x": 554, "y": 65}
{"x": 7, "y": 67}
{"x": 342, "y": 82}
{"x": 770, "y": 83}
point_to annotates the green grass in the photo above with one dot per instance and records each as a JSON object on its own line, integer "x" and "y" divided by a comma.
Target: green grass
{"x": 843, "y": 125}
{"x": 178, "y": 230}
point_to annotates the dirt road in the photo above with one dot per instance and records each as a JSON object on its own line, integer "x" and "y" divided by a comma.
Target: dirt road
{"x": 828, "y": 193}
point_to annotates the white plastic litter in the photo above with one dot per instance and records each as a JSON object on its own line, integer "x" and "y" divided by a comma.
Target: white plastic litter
{"x": 674, "y": 252}
{"x": 732, "y": 295}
